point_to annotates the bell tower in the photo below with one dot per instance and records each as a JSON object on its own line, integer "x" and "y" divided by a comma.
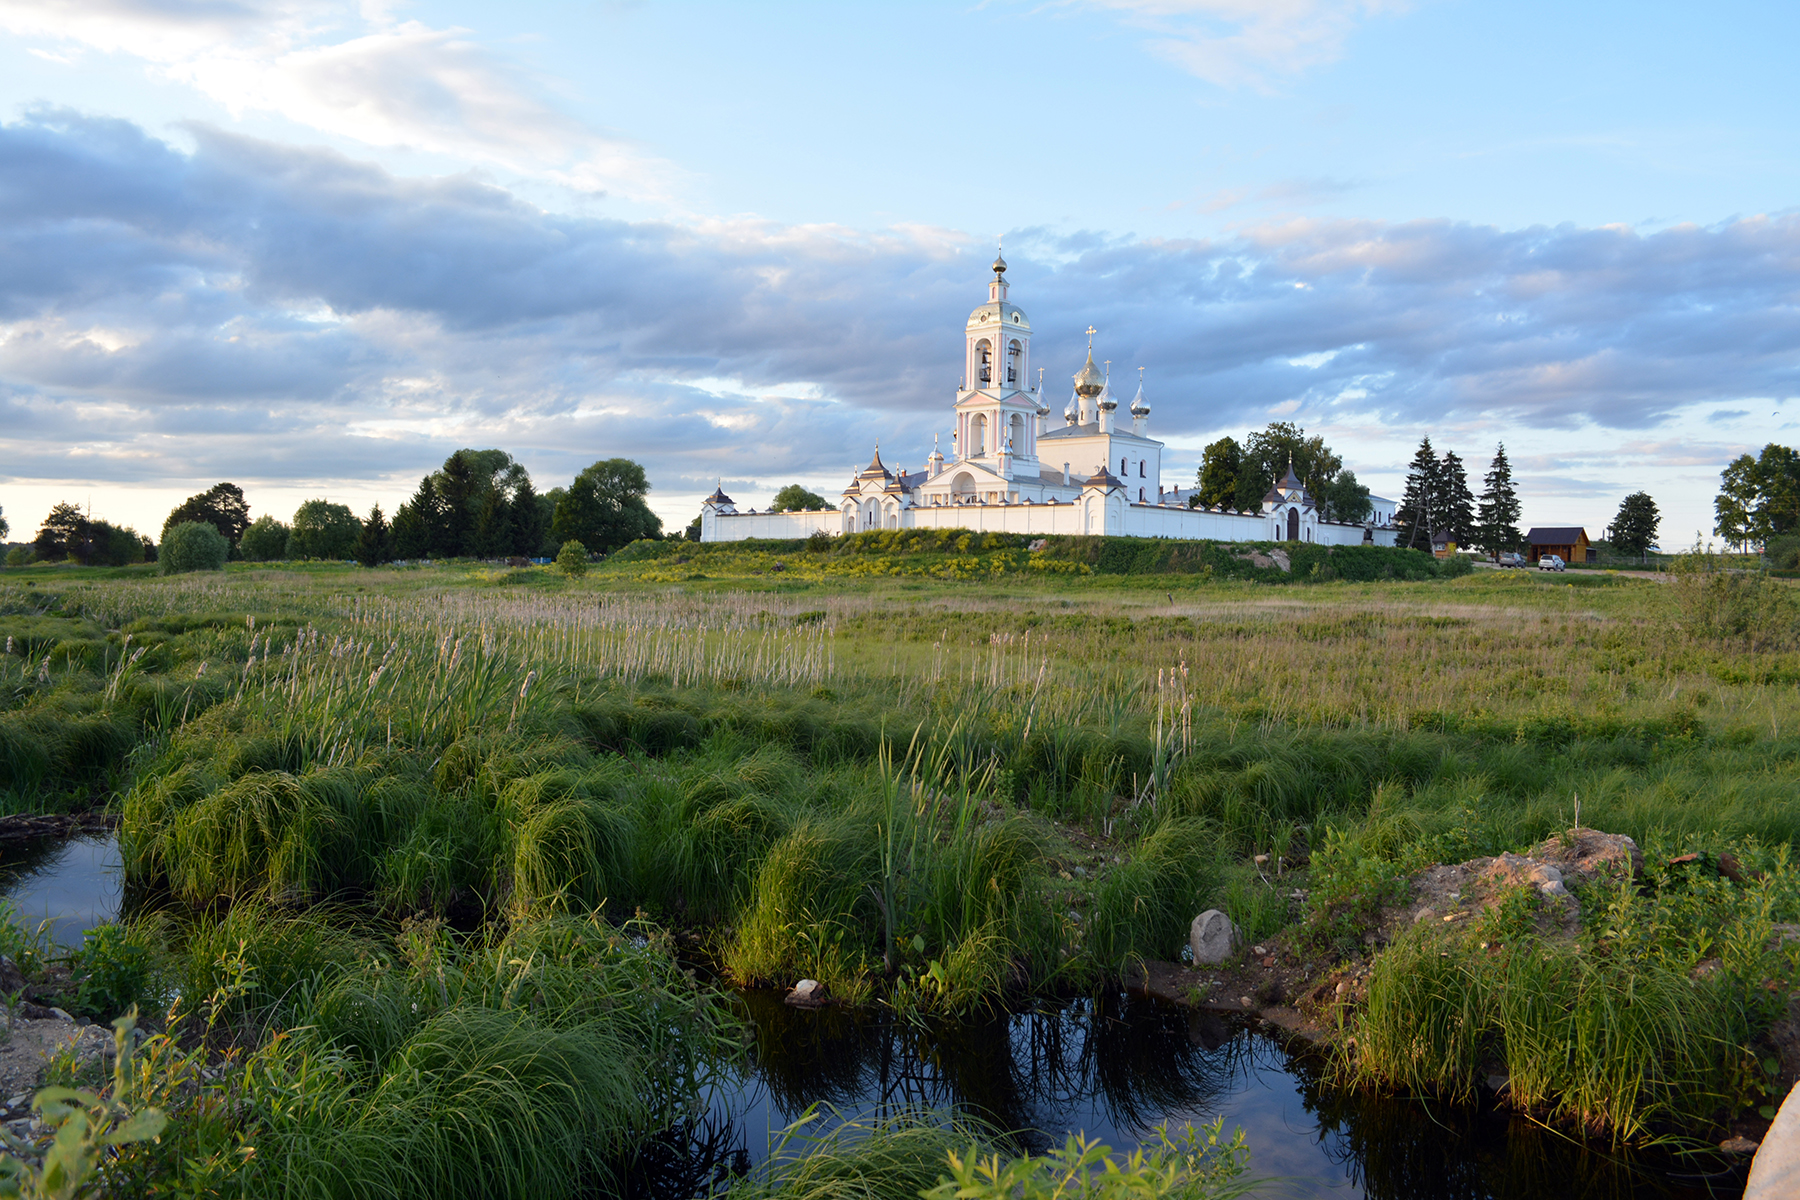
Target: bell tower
{"x": 996, "y": 412}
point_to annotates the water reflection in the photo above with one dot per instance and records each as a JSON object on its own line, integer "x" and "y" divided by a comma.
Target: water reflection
{"x": 1114, "y": 1068}
{"x": 74, "y": 884}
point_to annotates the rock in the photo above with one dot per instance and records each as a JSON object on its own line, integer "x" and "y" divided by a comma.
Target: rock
{"x": 11, "y": 978}
{"x": 808, "y": 993}
{"x": 1213, "y": 937}
{"x": 19, "y": 1100}
{"x": 1584, "y": 854}
{"x": 1739, "y": 1145}
{"x": 60, "y": 1015}
{"x": 1499, "y": 1082}
{"x": 1510, "y": 870}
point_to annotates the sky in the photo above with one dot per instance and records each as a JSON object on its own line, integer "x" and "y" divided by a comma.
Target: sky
{"x": 313, "y": 248}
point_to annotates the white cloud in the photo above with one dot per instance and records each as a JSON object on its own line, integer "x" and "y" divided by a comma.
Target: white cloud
{"x": 356, "y": 73}
{"x": 1249, "y": 43}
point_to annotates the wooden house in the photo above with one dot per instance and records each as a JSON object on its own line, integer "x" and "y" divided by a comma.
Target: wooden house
{"x": 1567, "y": 542}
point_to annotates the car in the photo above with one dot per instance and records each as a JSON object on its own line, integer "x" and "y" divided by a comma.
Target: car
{"x": 1510, "y": 558}
{"x": 1551, "y": 562}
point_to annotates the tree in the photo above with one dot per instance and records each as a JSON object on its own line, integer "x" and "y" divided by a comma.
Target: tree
{"x": 419, "y": 525}
{"x": 1633, "y": 530}
{"x": 1778, "y": 491}
{"x": 265, "y": 540}
{"x": 1344, "y": 500}
{"x": 222, "y": 506}
{"x": 1217, "y": 477}
{"x": 1456, "y": 504}
{"x": 374, "y": 541}
{"x": 604, "y": 507}
{"x": 323, "y": 530}
{"x": 62, "y": 535}
{"x": 794, "y": 498}
{"x": 1418, "y": 503}
{"x": 1734, "y": 508}
{"x": 492, "y": 533}
{"x": 192, "y": 546}
{"x": 1497, "y": 515}
{"x": 1269, "y": 452}
{"x": 458, "y": 486}
{"x": 572, "y": 559}
{"x": 4, "y": 527}
{"x": 530, "y": 520}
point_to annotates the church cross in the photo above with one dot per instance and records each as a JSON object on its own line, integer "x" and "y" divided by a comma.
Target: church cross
{"x": 1091, "y": 331}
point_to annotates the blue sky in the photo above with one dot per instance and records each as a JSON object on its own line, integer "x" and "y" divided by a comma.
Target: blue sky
{"x": 314, "y": 247}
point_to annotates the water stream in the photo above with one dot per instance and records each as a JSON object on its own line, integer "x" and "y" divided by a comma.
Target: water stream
{"x": 1114, "y": 1067}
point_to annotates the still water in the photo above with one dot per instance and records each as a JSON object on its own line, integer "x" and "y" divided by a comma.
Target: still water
{"x": 73, "y": 884}
{"x": 1114, "y": 1067}
{"x": 1118, "y": 1066}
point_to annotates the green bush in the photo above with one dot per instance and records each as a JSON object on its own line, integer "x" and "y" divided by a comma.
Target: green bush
{"x": 266, "y": 540}
{"x": 114, "y": 969}
{"x": 20, "y": 556}
{"x": 193, "y": 546}
{"x": 572, "y": 559}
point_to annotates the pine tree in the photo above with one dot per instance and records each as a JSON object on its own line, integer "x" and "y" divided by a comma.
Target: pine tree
{"x": 1418, "y": 504}
{"x": 375, "y": 543}
{"x": 1497, "y": 519}
{"x": 1456, "y": 504}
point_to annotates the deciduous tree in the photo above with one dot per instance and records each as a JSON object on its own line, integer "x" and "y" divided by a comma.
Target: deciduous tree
{"x": 1633, "y": 530}
{"x": 794, "y": 498}
{"x": 1217, "y": 478}
{"x": 323, "y": 530}
{"x": 604, "y": 507}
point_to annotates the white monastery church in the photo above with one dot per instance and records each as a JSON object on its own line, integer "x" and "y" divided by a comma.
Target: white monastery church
{"x": 1009, "y": 471}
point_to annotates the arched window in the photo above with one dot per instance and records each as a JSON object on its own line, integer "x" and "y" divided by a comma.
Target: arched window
{"x": 1140, "y": 495}
{"x": 963, "y": 486}
{"x": 978, "y": 434}
{"x": 1293, "y": 525}
{"x": 1123, "y": 469}
{"x": 984, "y": 361}
{"x": 1140, "y": 468}
{"x": 1013, "y": 350}
{"x": 1015, "y": 441}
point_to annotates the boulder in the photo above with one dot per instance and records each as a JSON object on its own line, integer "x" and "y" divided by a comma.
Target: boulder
{"x": 808, "y": 993}
{"x": 11, "y": 978}
{"x": 1584, "y": 854}
{"x": 1213, "y": 937}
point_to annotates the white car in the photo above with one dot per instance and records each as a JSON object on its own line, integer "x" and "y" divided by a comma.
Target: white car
{"x": 1551, "y": 562}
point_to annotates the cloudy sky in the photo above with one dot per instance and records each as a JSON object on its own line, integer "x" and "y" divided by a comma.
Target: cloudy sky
{"x": 314, "y": 247}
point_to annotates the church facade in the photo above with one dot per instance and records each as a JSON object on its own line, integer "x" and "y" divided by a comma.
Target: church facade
{"x": 1010, "y": 469}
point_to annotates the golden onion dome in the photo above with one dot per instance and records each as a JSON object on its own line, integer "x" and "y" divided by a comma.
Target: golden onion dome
{"x": 1089, "y": 381}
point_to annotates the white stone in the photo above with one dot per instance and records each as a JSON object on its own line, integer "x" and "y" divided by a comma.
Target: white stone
{"x": 808, "y": 989}
{"x": 1212, "y": 938}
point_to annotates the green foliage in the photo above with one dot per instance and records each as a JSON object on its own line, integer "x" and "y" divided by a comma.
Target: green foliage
{"x": 1220, "y": 465}
{"x": 89, "y": 1129}
{"x": 794, "y": 498}
{"x": 20, "y": 556}
{"x": 572, "y": 559}
{"x": 265, "y": 540}
{"x": 114, "y": 969}
{"x": 374, "y": 541}
{"x": 604, "y": 508}
{"x": 1733, "y": 607}
{"x": 324, "y": 530}
{"x": 222, "y": 506}
{"x": 1759, "y": 498}
{"x": 192, "y": 546}
{"x": 1497, "y": 513}
{"x": 900, "y": 1158}
{"x": 1633, "y": 530}
{"x": 68, "y": 533}
{"x": 1199, "y": 1164}
{"x": 1267, "y": 454}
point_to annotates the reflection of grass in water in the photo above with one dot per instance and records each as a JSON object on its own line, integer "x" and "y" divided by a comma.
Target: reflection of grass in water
{"x": 1033, "y": 1070}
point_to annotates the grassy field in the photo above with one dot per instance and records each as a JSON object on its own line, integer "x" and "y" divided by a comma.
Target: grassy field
{"x": 416, "y": 844}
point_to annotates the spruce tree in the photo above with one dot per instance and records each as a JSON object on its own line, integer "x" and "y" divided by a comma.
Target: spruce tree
{"x": 1456, "y": 504}
{"x": 375, "y": 543}
{"x": 1497, "y": 519}
{"x": 1418, "y": 504}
